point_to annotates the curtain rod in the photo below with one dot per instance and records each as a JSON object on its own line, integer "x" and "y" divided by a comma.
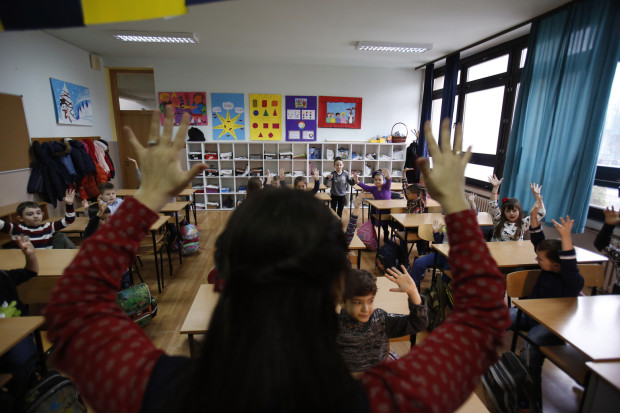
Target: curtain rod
{"x": 508, "y": 30}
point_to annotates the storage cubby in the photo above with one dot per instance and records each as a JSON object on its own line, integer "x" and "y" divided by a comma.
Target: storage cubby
{"x": 223, "y": 185}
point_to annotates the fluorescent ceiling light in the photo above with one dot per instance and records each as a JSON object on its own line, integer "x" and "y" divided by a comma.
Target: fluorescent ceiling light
{"x": 394, "y": 47}
{"x": 156, "y": 37}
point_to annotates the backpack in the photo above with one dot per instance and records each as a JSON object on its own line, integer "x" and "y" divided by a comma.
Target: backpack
{"x": 437, "y": 298}
{"x": 189, "y": 238}
{"x": 366, "y": 233}
{"x": 195, "y": 135}
{"x": 53, "y": 393}
{"x": 392, "y": 254}
{"x": 507, "y": 381}
{"x": 138, "y": 303}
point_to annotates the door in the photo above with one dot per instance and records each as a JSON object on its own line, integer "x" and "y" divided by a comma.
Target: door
{"x": 140, "y": 123}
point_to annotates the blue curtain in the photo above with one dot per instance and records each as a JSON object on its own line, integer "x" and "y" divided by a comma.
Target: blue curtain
{"x": 449, "y": 89}
{"x": 560, "y": 111}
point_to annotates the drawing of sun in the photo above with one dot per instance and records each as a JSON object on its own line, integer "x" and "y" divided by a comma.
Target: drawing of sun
{"x": 228, "y": 125}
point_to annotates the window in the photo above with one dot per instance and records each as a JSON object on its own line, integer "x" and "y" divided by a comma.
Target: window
{"x": 485, "y": 99}
{"x": 606, "y": 190}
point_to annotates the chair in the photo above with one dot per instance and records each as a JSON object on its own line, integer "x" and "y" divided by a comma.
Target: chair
{"x": 593, "y": 276}
{"x": 519, "y": 284}
{"x": 154, "y": 247}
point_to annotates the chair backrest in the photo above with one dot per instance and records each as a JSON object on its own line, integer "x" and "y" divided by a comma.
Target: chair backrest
{"x": 593, "y": 276}
{"x": 425, "y": 232}
{"x": 520, "y": 284}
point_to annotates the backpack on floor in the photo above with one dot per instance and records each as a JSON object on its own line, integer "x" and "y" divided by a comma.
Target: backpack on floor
{"x": 138, "y": 303}
{"x": 366, "y": 233}
{"x": 392, "y": 254}
{"x": 508, "y": 381}
{"x": 53, "y": 393}
{"x": 189, "y": 238}
{"x": 437, "y": 299}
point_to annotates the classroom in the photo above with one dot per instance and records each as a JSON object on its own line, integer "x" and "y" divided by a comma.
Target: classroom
{"x": 275, "y": 50}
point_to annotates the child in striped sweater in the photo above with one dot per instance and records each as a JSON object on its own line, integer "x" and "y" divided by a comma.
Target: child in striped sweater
{"x": 31, "y": 224}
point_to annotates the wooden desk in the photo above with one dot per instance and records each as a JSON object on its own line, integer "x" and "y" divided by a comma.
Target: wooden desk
{"x": 395, "y": 187}
{"x": 324, "y": 196}
{"x": 14, "y": 330}
{"x": 383, "y": 204}
{"x": 391, "y": 302}
{"x": 415, "y": 220}
{"x": 586, "y": 323}
{"x": 357, "y": 245}
{"x": 174, "y": 208}
{"x": 77, "y": 227}
{"x": 602, "y": 393}
{"x": 200, "y": 313}
{"x": 188, "y": 193}
{"x": 521, "y": 253}
{"x": 52, "y": 264}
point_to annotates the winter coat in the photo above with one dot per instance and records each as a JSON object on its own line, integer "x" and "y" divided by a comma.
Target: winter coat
{"x": 56, "y": 178}
{"x": 61, "y": 152}
{"x": 82, "y": 161}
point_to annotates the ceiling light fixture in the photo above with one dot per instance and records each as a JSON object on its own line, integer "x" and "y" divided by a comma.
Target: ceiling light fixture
{"x": 156, "y": 37}
{"x": 394, "y": 47}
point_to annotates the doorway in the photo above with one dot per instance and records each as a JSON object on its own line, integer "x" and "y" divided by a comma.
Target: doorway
{"x": 133, "y": 100}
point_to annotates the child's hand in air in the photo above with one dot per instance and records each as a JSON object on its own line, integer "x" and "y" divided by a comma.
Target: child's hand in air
{"x": 69, "y": 196}
{"x": 611, "y": 216}
{"x": 386, "y": 173}
{"x": 315, "y": 174}
{"x": 436, "y": 225}
{"x": 536, "y": 190}
{"x": 494, "y": 181}
{"x": 402, "y": 279}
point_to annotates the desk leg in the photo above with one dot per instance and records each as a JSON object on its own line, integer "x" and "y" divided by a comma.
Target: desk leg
{"x": 515, "y": 335}
{"x": 193, "y": 204}
{"x": 39, "y": 342}
{"x": 379, "y": 228}
{"x": 159, "y": 283}
{"x": 359, "y": 259}
{"x": 190, "y": 341}
{"x": 176, "y": 219}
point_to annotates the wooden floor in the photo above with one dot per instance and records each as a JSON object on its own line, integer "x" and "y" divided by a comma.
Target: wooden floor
{"x": 561, "y": 394}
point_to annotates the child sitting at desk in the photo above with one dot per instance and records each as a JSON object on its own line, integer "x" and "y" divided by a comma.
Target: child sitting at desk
{"x": 42, "y": 235}
{"x": 19, "y": 360}
{"x": 107, "y": 193}
{"x": 380, "y": 190}
{"x": 364, "y": 332}
{"x": 559, "y": 278}
{"x": 300, "y": 182}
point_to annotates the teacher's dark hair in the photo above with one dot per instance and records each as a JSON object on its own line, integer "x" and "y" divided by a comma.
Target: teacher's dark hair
{"x": 271, "y": 343}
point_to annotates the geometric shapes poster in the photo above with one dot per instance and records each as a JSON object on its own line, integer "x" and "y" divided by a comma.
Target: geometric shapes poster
{"x": 301, "y": 119}
{"x": 228, "y": 116}
{"x": 265, "y": 117}
{"x": 72, "y": 103}
{"x": 194, "y": 103}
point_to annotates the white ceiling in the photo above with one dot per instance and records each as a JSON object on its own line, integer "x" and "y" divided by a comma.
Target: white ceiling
{"x": 317, "y": 31}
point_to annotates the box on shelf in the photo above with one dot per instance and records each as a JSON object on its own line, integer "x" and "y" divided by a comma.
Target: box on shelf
{"x": 225, "y": 189}
{"x": 315, "y": 153}
{"x": 213, "y": 205}
{"x": 212, "y": 189}
{"x": 226, "y": 155}
{"x": 211, "y": 172}
{"x": 210, "y": 156}
{"x": 343, "y": 153}
{"x": 226, "y": 172}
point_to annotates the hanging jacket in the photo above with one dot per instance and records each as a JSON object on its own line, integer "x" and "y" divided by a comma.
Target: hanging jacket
{"x": 101, "y": 175}
{"x": 100, "y": 154}
{"x": 411, "y": 156}
{"x": 82, "y": 161}
{"x": 108, "y": 159}
{"x": 56, "y": 178}
{"x": 61, "y": 151}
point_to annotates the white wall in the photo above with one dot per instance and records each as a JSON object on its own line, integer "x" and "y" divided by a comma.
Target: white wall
{"x": 389, "y": 95}
{"x": 27, "y": 61}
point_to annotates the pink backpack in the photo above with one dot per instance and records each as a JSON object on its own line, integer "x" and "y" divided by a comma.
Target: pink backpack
{"x": 367, "y": 234}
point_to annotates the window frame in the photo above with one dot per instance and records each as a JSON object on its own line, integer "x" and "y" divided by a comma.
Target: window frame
{"x": 509, "y": 79}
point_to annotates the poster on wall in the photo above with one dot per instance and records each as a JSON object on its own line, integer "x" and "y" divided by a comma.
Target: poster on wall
{"x": 194, "y": 103}
{"x": 340, "y": 112}
{"x": 265, "y": 117}
{"x": 301, "y": 119}
{"x": 228, "y": 116}
{"x": 72, "y": 103}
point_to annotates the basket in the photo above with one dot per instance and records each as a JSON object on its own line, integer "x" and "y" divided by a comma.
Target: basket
{"x": 397, "y": 138}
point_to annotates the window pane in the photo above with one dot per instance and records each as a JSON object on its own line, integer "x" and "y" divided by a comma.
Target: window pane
{"x": 609, "y": 154}
{"x": 523, "y": 56}
{"x": 489, "y": 68}
{"x": 438, "y": 83}
{"x": 481, "y": 120}
{"x": 605, "y": 197}
{"x": 479, "y": 172}
{"x": 435, "y": 116}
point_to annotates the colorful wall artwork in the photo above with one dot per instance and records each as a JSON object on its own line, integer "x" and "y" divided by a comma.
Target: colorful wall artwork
{"x": 301, "y": 119}
{"x": 340, "y": 112}
{"x": 265, "y": 117}
{"x": 194, "y": 103}
{"x": 72, "y": 103}
{"x": 228, "y": 116}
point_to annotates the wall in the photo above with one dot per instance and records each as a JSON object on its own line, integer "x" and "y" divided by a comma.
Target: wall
{"x": 390, "y": 95}
{"x": 27, "y": 61}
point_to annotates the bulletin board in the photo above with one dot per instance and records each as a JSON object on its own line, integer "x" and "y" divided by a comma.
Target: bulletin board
{"x": 14, "y": 138}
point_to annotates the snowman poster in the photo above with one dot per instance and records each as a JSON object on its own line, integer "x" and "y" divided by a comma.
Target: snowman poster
{"x": 72, "y": 103}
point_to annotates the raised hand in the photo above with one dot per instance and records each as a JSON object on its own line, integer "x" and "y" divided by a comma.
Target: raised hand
{"x": 386, "y": 173}
{"x": 85, "y": 203}
{"x": 405, "y": 283}
{"x": 536, "y": 190}
{"x": 24, "y": 244}
{"x": 69, "y": 196}
{"x": 281, "y": 174}
{"x": 436, "y": 225}
{"x": 611, "y": 216}
{"x": 564, "y": 227}
{"x": 446, "y": 182}
{"x": 162, "y": 176}
{"x": 494, "y": 181}
{"x": 471, "y": 197}
{"x": 132, "y": 160}
{"x": 315, "y": 174}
